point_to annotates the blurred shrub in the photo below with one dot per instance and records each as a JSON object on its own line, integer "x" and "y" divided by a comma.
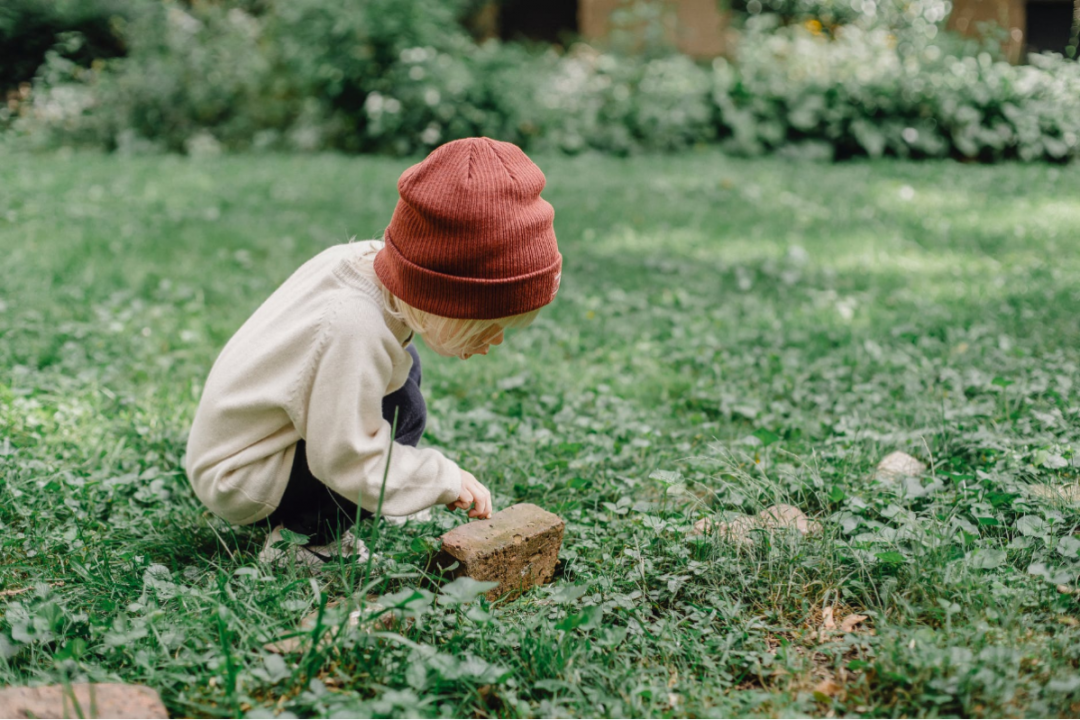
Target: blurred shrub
{"x": 375, "y": 75}
{"x": 828, "y": 12}
{"x": 291, "y": 73}
{"x": 402, "y": 77}
{"x": 862, "y": 93}
{"x": 593, "y": 100}
{"x": 190, "y": 81}
{"x": 342, "y": 57}
{"x": 31, "y": 28}
{"x": 913, "y": 18}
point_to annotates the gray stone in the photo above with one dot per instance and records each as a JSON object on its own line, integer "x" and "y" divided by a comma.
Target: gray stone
{"x": 82, "y": 700}
{"x": 373, "y": 618}
{"x": 741, "y": 529}
{"x": 898, "y": 465}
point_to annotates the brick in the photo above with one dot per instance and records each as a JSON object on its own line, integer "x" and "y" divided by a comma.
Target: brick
{"x": 517, "y": 548}
{"x": 106, "y": 700}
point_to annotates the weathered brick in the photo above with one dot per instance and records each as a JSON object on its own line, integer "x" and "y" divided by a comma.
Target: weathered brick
{"x": 106, "y": 700}
{"x": 517, "y": 548}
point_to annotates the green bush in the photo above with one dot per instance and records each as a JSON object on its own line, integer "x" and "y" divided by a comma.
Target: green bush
{"x": 336, "y": 55}
{"x": 190, "y": 80}
{"x": 618, "y": 104}
{"x": 296, "y": 74}
{"x": 859, "y": 93}
{"x": 401, "y": 77}
{"x": 31, "y": 28}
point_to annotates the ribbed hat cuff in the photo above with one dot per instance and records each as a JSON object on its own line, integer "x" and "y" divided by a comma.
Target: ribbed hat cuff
{"x": 464, "y": 297}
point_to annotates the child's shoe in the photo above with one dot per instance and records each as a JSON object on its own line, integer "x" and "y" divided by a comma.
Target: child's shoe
{"x": 349, "y": 548}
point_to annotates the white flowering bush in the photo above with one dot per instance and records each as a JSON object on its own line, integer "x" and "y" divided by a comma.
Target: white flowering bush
{"x": 393, "y": 77}
{"x": 860, "y": 91}
{"x": 187, "y": 77}
{"x": 431, "y": 96}
{"x": 607, "y": 102}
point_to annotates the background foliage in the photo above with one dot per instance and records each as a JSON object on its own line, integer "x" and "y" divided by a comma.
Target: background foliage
{"x": 823, "y": 79}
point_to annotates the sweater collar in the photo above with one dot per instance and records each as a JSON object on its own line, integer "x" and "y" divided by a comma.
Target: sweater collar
{"x": 347, "y": 271}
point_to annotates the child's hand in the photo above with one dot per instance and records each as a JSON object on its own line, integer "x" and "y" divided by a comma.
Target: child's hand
{"x": 472, "y": 492}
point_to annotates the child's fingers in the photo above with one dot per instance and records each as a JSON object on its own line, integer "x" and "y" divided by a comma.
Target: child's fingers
{"x": 483, "y": 505}
{"x": 464, "y": 501}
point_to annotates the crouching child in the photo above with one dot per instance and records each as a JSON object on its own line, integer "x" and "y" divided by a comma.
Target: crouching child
{"x": 294, "y": 425}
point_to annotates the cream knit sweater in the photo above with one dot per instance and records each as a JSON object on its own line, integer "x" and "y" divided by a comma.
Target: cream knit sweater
{"x": 313, "y": 362}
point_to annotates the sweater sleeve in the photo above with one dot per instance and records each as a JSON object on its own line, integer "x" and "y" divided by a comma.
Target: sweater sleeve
{"x": 340, "y": 418}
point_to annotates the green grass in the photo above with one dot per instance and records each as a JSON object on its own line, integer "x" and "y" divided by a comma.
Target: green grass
{"x": 730, "y": 334}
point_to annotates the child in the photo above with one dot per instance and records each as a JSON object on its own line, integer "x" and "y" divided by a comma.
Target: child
{"x": 294, "y": 425}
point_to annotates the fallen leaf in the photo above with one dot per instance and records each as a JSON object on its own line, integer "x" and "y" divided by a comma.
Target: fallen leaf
{"x": 848, "y": 624}
{"x": 827, "y": 687}
{"x": 20, "y": 591}
{"x": 827, "y": 617}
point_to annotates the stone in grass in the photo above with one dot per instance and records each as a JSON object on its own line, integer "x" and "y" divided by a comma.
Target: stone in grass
{"x": 371, "y": 619}
{"x": 517, "y": 548}
{"x": 741, "y": 529}
{"x": 898, "y": 465}
{"x": 81, "y": 700}
{"x": 1068, "y": 494}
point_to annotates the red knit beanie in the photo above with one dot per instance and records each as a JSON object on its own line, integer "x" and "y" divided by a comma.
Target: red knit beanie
{"x": 471, "y": 237}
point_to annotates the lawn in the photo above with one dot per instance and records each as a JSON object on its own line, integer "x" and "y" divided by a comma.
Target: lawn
{"x": 729, "y": 334}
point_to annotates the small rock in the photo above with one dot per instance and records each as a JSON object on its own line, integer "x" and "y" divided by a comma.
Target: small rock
{"x": 516, "y": 547}
{"x": 82, "y": 700}
{"x": 898, "y": 465}
{"x": 740, "y": 530}
{"x": 737, "y": 530}
{"x": 788, "y": 516}
{"x": 1061, "y": 493}
{"x": 371, "y": 618}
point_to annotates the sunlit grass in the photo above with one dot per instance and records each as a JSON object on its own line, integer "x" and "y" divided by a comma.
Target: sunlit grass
{"x": 840, "y": 312}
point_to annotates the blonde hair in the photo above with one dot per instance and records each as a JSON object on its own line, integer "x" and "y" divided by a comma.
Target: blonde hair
{"x": 451, "y": 336}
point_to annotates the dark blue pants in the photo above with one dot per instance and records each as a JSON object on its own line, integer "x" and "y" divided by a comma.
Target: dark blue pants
{"x": 311, "y": 508}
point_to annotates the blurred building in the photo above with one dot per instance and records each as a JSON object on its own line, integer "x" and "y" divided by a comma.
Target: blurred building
{"x": 696, "y": 27}
{"x": 700, "y": 29}
{"x": 1031, "y": 25}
